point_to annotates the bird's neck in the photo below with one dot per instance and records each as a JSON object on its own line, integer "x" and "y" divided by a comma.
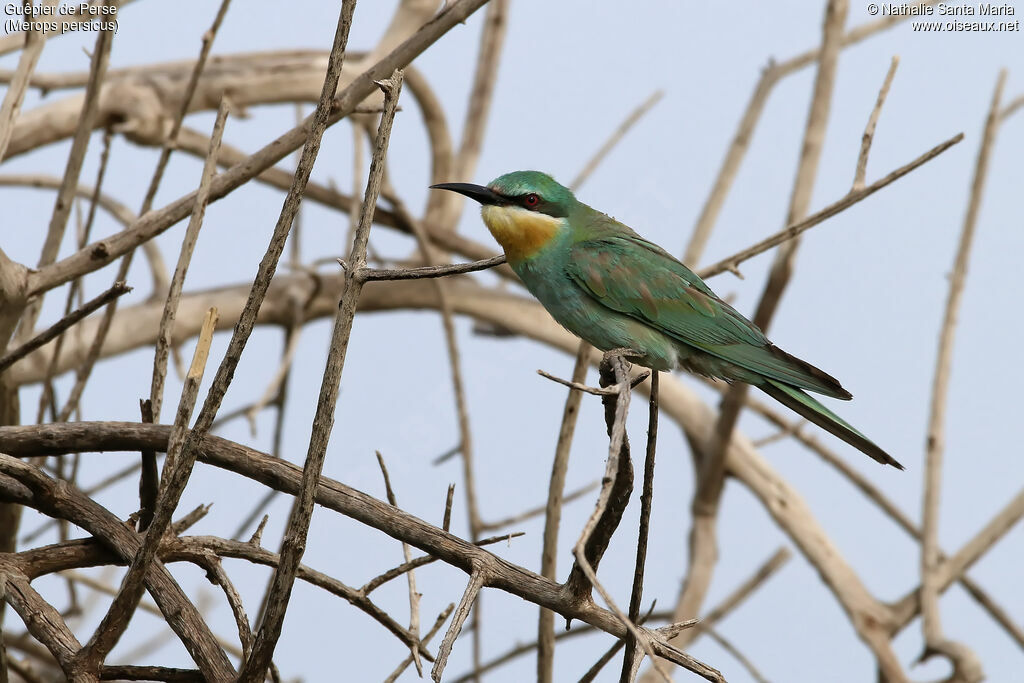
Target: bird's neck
{"x": 521, "y": 233}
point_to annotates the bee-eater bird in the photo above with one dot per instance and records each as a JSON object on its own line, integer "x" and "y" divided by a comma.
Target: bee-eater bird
{"x": 614, "y": 289}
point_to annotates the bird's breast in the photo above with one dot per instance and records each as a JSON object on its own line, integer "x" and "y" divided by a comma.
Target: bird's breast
{"x": 521, "y": 233}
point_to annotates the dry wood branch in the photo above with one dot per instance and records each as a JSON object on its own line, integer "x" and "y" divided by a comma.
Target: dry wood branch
{"x": 25, "y": 484}
{"x": 117, "y": 210}
{"x": 846, "y": 202}
{"x": 18, "y": 84}
{"x": 149, "y": 476}
{"x": 72, "y": 170}
{"x": 172, "y": 137}
{"x": 177, "y": 467}
{"x": 770, "y": 76}
{"x": 730, "y": 166}
{"x": 616, "y": 486}
{"x": 101, "y": 253}
{"x": 737, "y": 655}
{"x": 869, "y": 129}
{"x": 553, "y": 511}
{"x": 284, "y": 476}
{"x": 966, "y": 665}
{"x": 631, "y": 661}
{"x": 685, "y": 636}
{"x": 294, "y": 544}
{"x": 476, "y": 582}
{"x": 446, "y": 520}
{"x": 429, "y": 271}
{"x": 441, "y": 618}
{"x": 101, "y": 586}
{"x": 46, "y": 397}
{"x": 443, "y": 207}
{"x": 539, "y": 510}
{"x": 458, "y": 389}
{"x": 379, "y": 580}
{"x": 594, "y": 670}
{"x": 492, "y": 39}
{"x": 131, "y": 672}
{"x": 198, "y": 549}
{"x": 1013, "y": 107}
{"x": 42, "y": 620}
{"x": 276, "y": 393}
{"x": 613, "y": 390}
{"x": 810, "y": 155}
{"x": 217, "y": 575}
{"x": 188, "y": 245}
{"x": 887, "y": 506}
{"x": 414, "y": 596}
{"x": 953, "y": 567}
{"x": 63, "y": 324}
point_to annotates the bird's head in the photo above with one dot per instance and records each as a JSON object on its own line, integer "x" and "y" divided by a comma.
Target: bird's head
{"x": 524, "y": 210}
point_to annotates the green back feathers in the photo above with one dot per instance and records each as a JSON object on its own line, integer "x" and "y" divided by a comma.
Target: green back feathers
{"x": 632, "y": 276}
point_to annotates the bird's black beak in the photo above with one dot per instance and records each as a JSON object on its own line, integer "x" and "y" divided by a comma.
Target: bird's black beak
{"x": 484, "y": 195}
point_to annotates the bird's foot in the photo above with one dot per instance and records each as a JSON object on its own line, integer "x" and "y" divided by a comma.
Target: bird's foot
{"x": 624, "y": 351}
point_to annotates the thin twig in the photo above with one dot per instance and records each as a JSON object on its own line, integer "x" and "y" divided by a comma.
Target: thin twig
{"x": 686, "y": 636}
{"x": 616, "y": 485}
{"x": 634, "y": 116}
{"x": 846, "y": 202}
{"x": 299, "y": 520}
{"x": 553, "y": 511}
{"x": 734, "y": 651}
{"x": 414, "y": 596}
{"x": 379, "y": 580}
{"x": 72, "y": 170}
{"x": 710, "y": 456}
{"x": 15, "y": 94}
{"x": 287, "y": 477}
{"x": 630, "y": 661}
{"x": 965, "y": 663}
{"x": 446, "y": 521}
{"x": 116, "y": 619}
{"x": 216, "y": 574}
{"x": 430, "y": 271}
{"x": 46, "y": 396}
{"x": 539, "y": 510}
{"x": 615, "y": 490}
{"x": 441, "y": 618}
{"x": 869, "y": 129}
{"x": 149, "y": 477}
{"x": 147, "y": 203}
{"x": 188, "y": 245}
{"x": 186, "y": 101}
{"x": 612, "y": 390}
{"x": 476, "y": 582}
{"x": 770, "y": 77}
{"x": 458, "y": 386}
{"x": 99, "y": 254}
{"x": 63, "y": 324}
{"x": 1013, "y": 107}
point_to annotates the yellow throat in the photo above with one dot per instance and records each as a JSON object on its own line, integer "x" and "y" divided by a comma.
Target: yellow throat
{"x": 520, "y": 232}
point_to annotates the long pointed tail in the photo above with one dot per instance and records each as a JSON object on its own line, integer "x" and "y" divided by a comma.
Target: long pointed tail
{"x": 806, "y": 406}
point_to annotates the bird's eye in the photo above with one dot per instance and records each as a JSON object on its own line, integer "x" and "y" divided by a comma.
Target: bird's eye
{"x": 531, "y": 200}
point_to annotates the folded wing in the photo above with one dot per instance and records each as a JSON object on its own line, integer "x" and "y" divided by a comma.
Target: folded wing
{"x": 639, "y": 279}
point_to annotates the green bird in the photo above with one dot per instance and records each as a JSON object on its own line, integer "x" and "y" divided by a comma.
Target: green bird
{"x": 608, "y": 285}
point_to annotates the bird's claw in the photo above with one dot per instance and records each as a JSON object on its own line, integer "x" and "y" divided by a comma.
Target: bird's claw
{"x": 624, "y": 351}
